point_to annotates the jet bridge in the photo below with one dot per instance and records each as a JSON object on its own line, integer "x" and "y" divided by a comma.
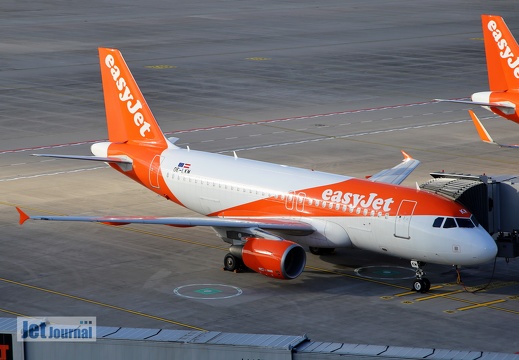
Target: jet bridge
{"x": 494, "y": 201}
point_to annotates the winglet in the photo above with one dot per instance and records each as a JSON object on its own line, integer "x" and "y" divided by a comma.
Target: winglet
{"x": 406, "y": 156}
{"x": 398, "y": 173}
{"x": 482, "y": 132}
{"x": 23, "y": 216}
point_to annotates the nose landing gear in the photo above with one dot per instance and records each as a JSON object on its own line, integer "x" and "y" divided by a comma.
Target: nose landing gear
{"x": 421, "y": 284}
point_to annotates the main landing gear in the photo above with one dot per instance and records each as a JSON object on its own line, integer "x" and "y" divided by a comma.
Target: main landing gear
{"x": 421, "y": 284}
{"x": 232, "y": 263}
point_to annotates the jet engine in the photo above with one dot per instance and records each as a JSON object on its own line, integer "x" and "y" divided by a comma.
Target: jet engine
{"x": 280, "y": 259}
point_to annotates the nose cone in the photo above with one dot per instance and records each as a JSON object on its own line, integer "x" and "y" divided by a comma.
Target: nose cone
{"x": 483, "y": 248}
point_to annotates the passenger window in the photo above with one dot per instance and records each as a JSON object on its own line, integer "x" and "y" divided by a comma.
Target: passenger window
{"x": 449, "y": 223}
{"x": 438, "y": 222}
{"x": 464, "y": 223}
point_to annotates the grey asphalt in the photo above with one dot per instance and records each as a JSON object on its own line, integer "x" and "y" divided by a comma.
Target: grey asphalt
{"x": 335, "y": 86}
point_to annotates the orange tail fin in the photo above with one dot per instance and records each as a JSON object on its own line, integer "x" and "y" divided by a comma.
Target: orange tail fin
{"x": 502, "y": 53}
{"x": 128, "y": 117}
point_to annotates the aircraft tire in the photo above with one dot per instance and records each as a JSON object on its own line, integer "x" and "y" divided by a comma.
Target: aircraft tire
{"x": 230, "y": 262}
{"x": 422, "y": 285}
{"x": 427, "y": 285}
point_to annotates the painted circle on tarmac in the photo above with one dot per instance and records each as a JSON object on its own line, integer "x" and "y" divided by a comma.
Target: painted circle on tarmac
{"x": 385, "y": 272}
{"x": 207, "y": 291}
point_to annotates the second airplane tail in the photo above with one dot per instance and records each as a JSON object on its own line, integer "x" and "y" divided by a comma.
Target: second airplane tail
{"x": 128, "y": 117}
{"x": 502, "y": 54}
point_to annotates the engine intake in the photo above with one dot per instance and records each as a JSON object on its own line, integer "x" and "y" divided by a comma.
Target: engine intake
{"x": 280, "y": 259}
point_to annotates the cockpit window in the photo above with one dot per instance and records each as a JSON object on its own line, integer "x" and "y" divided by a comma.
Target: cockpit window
{"x": 474, "y": 220}
{"x": 449, "y": 223}
{"x": 464, "y": 223}
{"x": 438, "y": 222}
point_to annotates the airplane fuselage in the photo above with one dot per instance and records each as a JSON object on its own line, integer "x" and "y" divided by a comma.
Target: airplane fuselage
{"x": 345, "y": 212}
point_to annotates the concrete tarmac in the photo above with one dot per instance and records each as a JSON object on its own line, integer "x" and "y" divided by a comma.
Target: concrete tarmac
{"x": 334, "y": 86}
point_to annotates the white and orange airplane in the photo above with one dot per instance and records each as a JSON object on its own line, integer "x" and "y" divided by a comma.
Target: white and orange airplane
{"x": 502, "y": 55}
{"x": 267, "y": 212}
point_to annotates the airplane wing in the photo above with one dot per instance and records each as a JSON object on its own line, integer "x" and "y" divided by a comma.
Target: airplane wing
{"x": 483, "y": 133}
{"x": 398, "y": 173}
{"x": 503, "y": 106}
{"x": 262, "y": 223}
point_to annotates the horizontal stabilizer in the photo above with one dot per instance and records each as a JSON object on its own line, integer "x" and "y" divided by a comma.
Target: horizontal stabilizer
{"x": 500, "y": 105}
{"x": 397, "y": 174}
{"x": 91, "y": 158}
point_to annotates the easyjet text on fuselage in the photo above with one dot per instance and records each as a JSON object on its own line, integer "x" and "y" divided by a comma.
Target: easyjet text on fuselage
{"x": 354, "y": 200}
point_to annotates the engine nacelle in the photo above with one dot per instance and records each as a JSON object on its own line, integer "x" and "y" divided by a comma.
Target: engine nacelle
{"x": 280, "y": 259}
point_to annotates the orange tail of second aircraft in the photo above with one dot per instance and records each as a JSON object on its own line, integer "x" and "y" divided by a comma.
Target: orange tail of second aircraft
{"x": 502, "y": 53}
{"x": 128, "y": 117}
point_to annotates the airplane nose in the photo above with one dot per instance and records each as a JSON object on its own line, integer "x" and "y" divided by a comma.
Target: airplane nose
{"x": 484, "y": 249}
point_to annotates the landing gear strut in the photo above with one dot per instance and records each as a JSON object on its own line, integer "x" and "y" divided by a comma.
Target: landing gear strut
{"x": 421, "y": 284}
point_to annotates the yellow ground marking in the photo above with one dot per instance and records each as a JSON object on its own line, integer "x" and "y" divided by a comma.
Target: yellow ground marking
{"x": 412, "y": 292}
{"x": 481, "y": 305}
{"x": 12, "y": 312}
{"x": 355, "y": 277}
{"x": 160, "y": 67}
{"x": 101, "y": 304}
{"x": 492, "y": 286}
{"x": 439, "y": 295}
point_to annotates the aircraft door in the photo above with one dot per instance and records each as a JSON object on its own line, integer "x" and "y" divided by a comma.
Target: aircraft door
{"x": 289, "y": 201}
{"x": 155, "y": 171}
{"x": 403, "y": 218}
{"x": 295, "y": 200}
{"x": 300, "y": 201}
